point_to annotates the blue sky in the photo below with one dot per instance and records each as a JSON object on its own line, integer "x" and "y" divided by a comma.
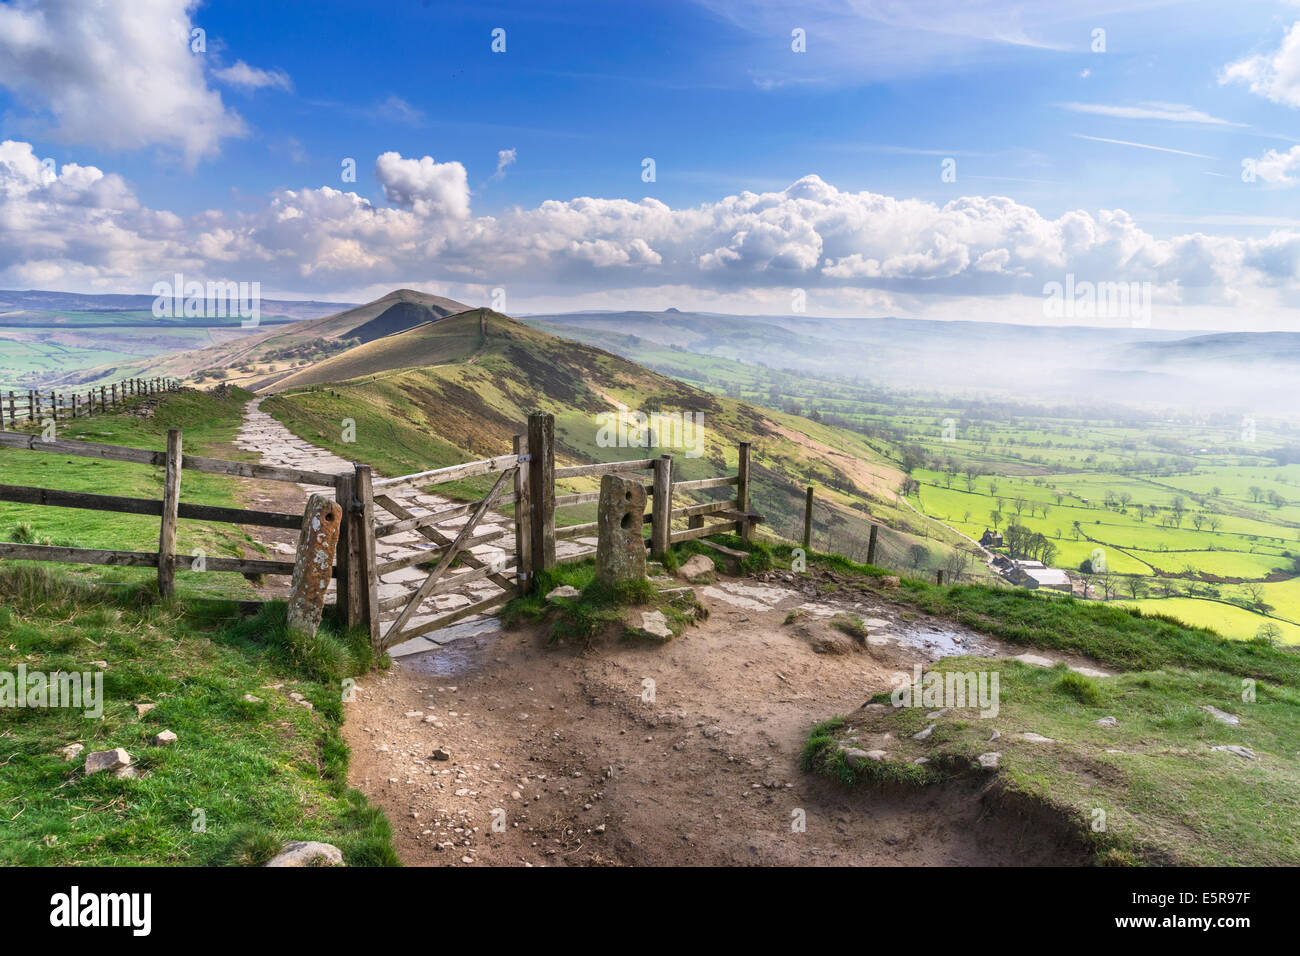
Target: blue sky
{"x": 225, "y": 162}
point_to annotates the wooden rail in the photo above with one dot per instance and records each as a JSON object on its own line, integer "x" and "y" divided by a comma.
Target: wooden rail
{"x": 34, "y": 406}
{"x": 169, "y": 509}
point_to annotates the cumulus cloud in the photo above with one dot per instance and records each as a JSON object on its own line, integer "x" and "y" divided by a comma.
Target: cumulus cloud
{"x": 114, "y": 75}
{"x": 425, "y": 187}
{"x": 1278, "y": 169}
{"x": 81, "y": 228}
{"x": 250, "y": 78}
{"x": 1274, "y": 76}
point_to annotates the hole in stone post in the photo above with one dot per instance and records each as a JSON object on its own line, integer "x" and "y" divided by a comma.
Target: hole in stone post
{"x": 628, "y": 494}
{"x": 627, "y": 521}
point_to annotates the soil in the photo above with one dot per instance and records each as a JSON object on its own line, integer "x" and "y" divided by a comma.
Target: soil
{"x": 558, "y": 743}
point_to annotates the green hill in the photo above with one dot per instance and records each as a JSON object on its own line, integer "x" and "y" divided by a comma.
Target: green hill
{"x": 460, "y": 387}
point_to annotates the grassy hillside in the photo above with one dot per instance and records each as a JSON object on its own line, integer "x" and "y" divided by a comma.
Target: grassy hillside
{"x": 456, "y": 395}
{"x": 244, "y": 775}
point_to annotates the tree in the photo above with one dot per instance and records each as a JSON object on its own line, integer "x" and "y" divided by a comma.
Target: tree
{"x": 996, "y": 516}
{"x": 917, "y": 556}
{"x": 1136, "y": 587}
{"x": 1256, "y": 492}
{"x": 1268, "y": 633}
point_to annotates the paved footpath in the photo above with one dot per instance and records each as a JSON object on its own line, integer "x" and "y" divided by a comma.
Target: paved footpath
{"x": 276, "y": 445}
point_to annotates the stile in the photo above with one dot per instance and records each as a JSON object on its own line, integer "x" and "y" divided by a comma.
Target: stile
{"x": 743, "y": 527}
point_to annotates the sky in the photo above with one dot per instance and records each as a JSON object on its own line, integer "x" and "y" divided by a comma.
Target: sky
{"x": 932, "y": 159}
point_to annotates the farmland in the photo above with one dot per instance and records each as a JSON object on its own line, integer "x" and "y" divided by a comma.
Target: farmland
{"x": 1193, "y": 514}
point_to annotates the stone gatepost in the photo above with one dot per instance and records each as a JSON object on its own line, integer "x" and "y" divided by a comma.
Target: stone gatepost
{"x": 314, "y": 565}
{"x": 620, "y": 549}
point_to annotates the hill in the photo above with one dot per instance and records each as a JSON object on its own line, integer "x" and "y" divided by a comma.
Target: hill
{"x": 262, "y": 357}
{"x": 460, "y": 387}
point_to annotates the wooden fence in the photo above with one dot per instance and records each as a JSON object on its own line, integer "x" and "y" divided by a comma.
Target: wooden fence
{"x": 169, "y": 509}
{"x": 525, "y": 478}
{"x": 35, "y": 405}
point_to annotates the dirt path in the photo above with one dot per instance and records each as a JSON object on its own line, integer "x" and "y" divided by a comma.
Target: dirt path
{"x": 560, "y": 745}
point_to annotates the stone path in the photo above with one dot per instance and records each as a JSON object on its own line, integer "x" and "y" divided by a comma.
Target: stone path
{"x": 263, "y": 434}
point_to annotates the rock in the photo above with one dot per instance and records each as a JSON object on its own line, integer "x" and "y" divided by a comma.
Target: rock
{"x": 922, "y": 735}
{"x": 1245, "y": 753}
{"x": 1107, "y": 722}
{"x": 920, "y": 761}
{"x": 107, "y": 760}
{"x": 890, "y": 581}
{"x": 711, "y": 732}
{"x": 563, "y": 591}
{"x": 655, "y": 624}
{"x": 697, "y": 567}
{"x": 142, "y": 709}
{"x": 989, "y": 761}
{"x": 442, "y": 753}
{"x": 856, "y": 757}
{"x": 129, "y": 773}
{"x": 163, "y": 738}
{"x": 995, "y": 735}
{"x": 251, "y": 699}
{"x": 308, "y": 853}
{"x": 1223, "y": 718}
{"x": 71, "y": 751}
{"x": 620, "y": 514}
{"x": 1037, "y": 739}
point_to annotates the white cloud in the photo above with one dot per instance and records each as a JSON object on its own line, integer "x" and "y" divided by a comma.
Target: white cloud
{"x": 426, "y": 187}
{"x": 1278, "y": 169}
{"x": 1171, "y": 112}
{"x": 505, "y": 159}
{"x": 80, "y": 228}
{"x": 1274, "y": 76}
{"x": 250, "y": 78}
{"x": 113, "y": 75}
{"x": 397, "y": 110}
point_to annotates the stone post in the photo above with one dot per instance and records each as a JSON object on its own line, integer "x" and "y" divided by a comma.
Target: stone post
{"x": 620, "y": 549}
{"x": 314, "y": 564}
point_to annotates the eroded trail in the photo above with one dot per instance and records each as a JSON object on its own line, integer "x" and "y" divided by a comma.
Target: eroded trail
{"x": 587, "y": 770}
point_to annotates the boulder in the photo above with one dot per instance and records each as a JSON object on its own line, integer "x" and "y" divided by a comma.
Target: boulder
{"x": 563, "y": 591}
{"x": 164, "y": 738}
{"x": 1224, "y": 718}
{"x": 71, "y": 751}
{"x": 989, "y": 761}
{"x": 620, "y": 514}
{"x": 1107, "y": 722}
{"x": 107, "y": 760}
{"x": 698, "y": 566}
{"x": 308, "y": 853}
{"x": 890, "y": 581}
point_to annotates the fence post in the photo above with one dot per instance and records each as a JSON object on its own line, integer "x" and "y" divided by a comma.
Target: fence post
{"x": 938, "y": 577}
{"x": 661, "y": 509}
{"x": 807, "y": 520}
{"x": 103, "y": 399}
{"x": 74, "y": 404}
{"x": 523, "y": 517}
{"x": 171, "y": 504}
{"x": 743, "y": 527}
{"x": 348, "y": 587}
{"x": 871, "y": 544}
{"x": 369, "y": 579}
{"x": 13, "y": 418}
{"x": 541, "y": 475}
{"x": 33, "y": 402}
{"x": 313, "y": 564}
